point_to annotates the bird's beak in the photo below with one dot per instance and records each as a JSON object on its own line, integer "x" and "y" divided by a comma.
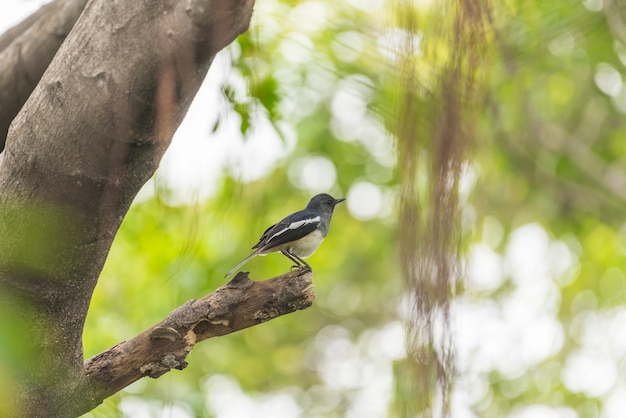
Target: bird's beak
{"x": 341, "y": 199}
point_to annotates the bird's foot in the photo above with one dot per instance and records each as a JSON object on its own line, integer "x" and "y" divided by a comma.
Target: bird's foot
{"x": 301, "y": 269}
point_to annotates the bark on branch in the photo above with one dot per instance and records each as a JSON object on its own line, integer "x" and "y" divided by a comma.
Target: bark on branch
{"x": 239, "y": 304}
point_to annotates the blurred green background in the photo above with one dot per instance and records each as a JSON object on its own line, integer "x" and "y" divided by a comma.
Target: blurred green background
{"x": 305, "y": 102}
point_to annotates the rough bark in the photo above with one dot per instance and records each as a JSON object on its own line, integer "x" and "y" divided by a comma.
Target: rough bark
{"x": 89, "y": 136}
{"x": 240, "y": 304}
{"x": 26, "y": 51}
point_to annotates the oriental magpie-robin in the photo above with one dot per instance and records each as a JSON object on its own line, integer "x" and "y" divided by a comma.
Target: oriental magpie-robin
{"x": 299, "y": 234}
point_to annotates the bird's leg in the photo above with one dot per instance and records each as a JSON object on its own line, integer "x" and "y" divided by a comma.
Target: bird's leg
{"x": 304, "y": 264}
{"x": 291, "y": 257}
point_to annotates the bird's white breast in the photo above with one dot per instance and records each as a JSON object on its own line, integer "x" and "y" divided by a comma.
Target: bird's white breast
{"x": 306, "y": 246}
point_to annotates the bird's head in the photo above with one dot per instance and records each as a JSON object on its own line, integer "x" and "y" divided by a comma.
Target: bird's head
{"x": 324, "y": 202}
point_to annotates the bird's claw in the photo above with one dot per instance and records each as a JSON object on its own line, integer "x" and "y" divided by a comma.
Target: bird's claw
{"x": 304, "y": 269}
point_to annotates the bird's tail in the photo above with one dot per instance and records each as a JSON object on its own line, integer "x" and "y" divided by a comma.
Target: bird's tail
{"x": 242, "y": 262}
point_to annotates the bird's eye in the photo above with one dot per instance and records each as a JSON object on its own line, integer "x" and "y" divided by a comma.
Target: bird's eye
{"x": 330, "y": 202}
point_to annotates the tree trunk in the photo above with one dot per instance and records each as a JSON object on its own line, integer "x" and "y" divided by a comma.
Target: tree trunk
{"x": 89, "y": 136}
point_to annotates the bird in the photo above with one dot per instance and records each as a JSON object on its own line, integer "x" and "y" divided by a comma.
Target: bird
{"x": 298, "y": 235}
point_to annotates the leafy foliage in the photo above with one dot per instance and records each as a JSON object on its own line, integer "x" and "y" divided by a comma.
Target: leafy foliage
{"x": 539, "y": 320}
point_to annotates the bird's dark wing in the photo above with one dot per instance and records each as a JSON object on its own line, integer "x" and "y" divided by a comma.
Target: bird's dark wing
{"x": 292, "y": 228}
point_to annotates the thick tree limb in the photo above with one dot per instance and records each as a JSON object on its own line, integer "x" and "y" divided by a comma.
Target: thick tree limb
{"x": 239, "y": 304}
{"x": 26, "y": 50}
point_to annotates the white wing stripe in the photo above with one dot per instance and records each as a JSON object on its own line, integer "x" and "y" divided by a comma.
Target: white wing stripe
{"x": 295, "y": 225}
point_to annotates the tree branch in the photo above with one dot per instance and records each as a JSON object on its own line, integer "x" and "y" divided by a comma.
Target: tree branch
{"x": 239, "y": 304}
{"x": 26, "y": 50}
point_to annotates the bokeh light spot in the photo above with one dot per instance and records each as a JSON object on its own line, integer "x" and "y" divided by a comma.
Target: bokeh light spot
{"x": 365, "y": 200}
{"x": 608, "y": 79}
{"x": 315, "y": 174}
